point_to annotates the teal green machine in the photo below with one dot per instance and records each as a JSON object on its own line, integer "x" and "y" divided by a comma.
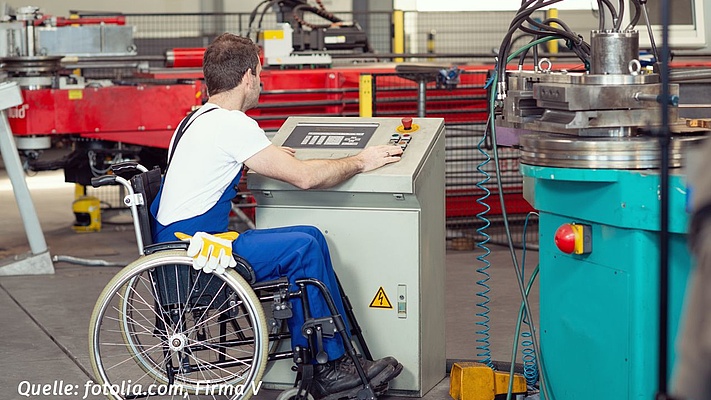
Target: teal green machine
{"x": 599, "y": 311}
{"x": 592, "y": 173}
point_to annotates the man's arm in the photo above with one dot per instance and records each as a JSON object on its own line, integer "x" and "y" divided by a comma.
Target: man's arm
{"x": 276, "y": 163}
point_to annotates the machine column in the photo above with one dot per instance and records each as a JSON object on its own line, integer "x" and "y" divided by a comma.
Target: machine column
{"x": 39, "y": 262}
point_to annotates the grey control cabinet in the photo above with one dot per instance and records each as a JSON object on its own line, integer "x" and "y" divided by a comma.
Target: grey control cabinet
{"x": 386, "y": 233}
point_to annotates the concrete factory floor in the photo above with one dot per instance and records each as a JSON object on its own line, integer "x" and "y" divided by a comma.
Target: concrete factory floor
{"x": 45, "y": 318}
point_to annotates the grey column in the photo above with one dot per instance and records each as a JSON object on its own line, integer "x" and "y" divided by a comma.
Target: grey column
{"x": 10, "y": 95}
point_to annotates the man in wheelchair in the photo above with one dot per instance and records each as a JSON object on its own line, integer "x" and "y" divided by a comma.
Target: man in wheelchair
{"x": 208, "y": 152}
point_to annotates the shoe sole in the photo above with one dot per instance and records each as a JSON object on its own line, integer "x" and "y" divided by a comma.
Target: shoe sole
{"x": 379, "y": 384}
{"x": 396, "y": 371}
{"x": 383, "y": 387}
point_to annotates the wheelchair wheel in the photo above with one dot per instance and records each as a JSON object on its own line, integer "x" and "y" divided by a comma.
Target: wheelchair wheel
{"x": 290, "y": 394}
{"x": 162, "y": 328}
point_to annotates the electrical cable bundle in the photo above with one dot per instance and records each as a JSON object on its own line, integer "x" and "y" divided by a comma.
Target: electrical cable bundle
{"x": 297, "y": 8}
{"x": 575, "y": 42}
{"x": 321, "y": 12}
{"x": 253, "y": 15}
{"x": 539, "y": 29}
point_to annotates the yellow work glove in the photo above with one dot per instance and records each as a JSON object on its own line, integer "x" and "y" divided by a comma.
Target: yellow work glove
{"x": 211, "y": 253}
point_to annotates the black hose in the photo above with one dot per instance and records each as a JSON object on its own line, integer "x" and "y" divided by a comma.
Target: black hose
{"x": 264, "y": 11}
{"x": 253, "y": 16}
{"x": 620, "y": 15}
{"x": 611, "y": 8}
{"x": 637, "y": 15}
{"x": 601, "y": 17}
{"x": 523, "y": 13}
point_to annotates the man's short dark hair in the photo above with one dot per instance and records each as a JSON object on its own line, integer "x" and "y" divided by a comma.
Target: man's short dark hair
{"x": 226, "y": 60}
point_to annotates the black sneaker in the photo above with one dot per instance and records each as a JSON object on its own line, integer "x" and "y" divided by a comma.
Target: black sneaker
{"x": 338, "y": 378}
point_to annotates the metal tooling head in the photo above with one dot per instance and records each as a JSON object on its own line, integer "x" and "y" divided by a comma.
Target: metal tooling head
{"x": 614, "y": 99}
{"x": 606, "y": 109}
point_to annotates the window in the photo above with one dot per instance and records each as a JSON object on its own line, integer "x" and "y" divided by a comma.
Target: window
{"x": 686, "y": 28}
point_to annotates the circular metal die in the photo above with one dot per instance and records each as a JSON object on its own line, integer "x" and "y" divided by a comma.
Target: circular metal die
{"x": 31, "y": 65}
{"x": 553, "y": 150}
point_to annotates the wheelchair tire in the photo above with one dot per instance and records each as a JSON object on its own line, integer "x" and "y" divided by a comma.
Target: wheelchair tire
{"x": 196, "y": 343}
{"x": 290, "y": 394}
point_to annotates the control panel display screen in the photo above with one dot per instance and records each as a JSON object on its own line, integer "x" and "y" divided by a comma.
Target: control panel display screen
{"x": 330, "y": 136}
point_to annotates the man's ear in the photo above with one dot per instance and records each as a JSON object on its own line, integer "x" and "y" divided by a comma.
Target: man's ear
{"x": 249, "y": 73}
{"x": 245, "y": 81}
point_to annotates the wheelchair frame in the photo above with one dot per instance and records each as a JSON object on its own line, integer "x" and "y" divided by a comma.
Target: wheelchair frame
{"x": 177, "y": 324}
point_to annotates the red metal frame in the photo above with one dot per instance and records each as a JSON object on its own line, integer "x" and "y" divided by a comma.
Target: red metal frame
{"x": 147, "y": 114}
{"x": 143, "y": 115}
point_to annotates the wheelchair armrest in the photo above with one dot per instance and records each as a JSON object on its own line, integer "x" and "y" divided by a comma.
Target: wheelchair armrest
{"x": 273, "y": 284}
{"x": 175, "y": 245}
{"x": 103, "y": 180}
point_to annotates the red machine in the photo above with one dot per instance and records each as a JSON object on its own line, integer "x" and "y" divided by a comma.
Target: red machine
{"x": 134, "y": 116}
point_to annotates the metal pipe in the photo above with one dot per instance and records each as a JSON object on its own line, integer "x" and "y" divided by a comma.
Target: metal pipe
{"x": 307, "y": 91}
{"x": 421, "y": 97}
{"x": 30, "y": 39}
{"x": 681, "y": 75}
{"x": 311, "y": 103}
{"x": 79, "y": 60}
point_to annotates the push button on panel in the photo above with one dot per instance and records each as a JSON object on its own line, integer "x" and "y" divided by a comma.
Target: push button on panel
{"x": 407, "y": 126}
{"x": 572, "y": 238}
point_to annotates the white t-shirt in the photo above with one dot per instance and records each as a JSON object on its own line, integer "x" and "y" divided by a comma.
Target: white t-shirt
{"x": 206, "y": 160}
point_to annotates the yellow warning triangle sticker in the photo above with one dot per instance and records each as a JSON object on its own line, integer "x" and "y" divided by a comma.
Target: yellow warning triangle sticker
{"x": 381, "y": 300}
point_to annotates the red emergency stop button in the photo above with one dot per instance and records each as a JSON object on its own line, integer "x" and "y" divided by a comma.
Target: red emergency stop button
{"x": 407, "y": 126}
{"x": 565, "y": 238}
{"x": 574, "y": 238}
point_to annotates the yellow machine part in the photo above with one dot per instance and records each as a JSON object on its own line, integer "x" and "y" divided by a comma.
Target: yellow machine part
{"x": 476, "y": 381}
{"x": 87, "y": 211}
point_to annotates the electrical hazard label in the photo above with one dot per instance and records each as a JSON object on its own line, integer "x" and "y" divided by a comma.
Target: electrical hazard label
{"x": 381, "y": 300}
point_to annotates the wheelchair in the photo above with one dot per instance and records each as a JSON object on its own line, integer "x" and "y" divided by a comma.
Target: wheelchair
{"x": 161, "y": 329}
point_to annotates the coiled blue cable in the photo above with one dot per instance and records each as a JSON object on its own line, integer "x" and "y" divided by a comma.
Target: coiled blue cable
{"x": 530, "y": 363}
{"x": 483, "y": 345}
